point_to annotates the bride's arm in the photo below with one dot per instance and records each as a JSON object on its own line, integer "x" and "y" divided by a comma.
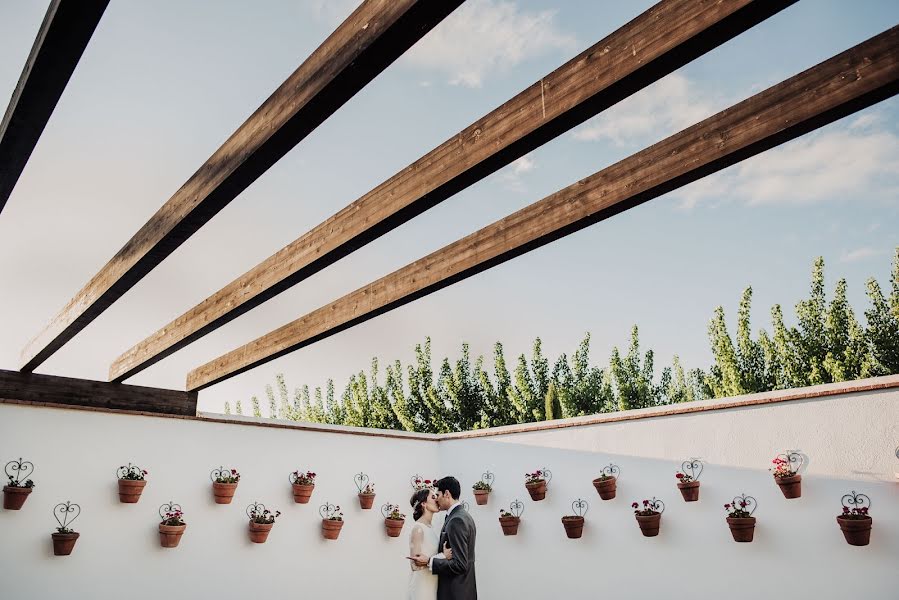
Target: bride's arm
{"x": 415, "y": 541}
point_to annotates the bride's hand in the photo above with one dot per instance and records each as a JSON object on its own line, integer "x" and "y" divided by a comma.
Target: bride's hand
{"x": 447, "y": 551}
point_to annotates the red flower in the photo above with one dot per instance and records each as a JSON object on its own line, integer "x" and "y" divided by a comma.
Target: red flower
{"x": 679, "y": 475}
{"x": 727, "y": 506}
{"x": 634, "y": 505}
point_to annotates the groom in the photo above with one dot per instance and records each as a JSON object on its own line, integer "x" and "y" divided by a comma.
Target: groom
{"x": 455, "y": 576}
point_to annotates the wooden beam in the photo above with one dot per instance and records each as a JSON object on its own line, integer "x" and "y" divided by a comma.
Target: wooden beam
{"x": 60, "y": 42}
{"x": 371, "y": 38}
{"x": 855, "y": 79}
{"x": 667, "y": 36}
{"x": 49, "y": 389}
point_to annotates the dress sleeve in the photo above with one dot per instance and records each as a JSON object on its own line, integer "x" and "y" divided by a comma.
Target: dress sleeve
{"x": 416, "y": 537}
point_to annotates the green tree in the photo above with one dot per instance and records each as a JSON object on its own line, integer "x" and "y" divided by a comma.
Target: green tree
{"x": 336, "y": 414}
{"x": 382, "y": 413}
{"x": 256, "y": 412}
{"x": 552, "y": 404}
{"x": 272, "y": 406}
{"x": 724, "y": 376}
{"x": 465, "y": 395}
{"x": 238, "y": 408}
{"x": 633, "y": 380}
{"x": 523, "y": 394}
{"x": 227, "y": 408}
{"x": 540, "y": 366}
{"x": 399, "y": 402}
{"x": 810, "y": 335}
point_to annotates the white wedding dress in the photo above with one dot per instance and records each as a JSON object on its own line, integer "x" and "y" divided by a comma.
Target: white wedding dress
{"x": 423, "y": 584}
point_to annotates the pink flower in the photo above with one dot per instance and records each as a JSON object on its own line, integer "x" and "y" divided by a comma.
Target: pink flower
{"x": 727, "y": 506}
{"x": 634, "y": 505}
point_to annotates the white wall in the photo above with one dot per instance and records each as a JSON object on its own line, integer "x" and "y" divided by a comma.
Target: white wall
{"x": 76, "y": 454}
{"x": 799, "y": 551}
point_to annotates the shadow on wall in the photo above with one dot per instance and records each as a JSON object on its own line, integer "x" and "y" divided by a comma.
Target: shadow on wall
{"x": 798, "y": 545}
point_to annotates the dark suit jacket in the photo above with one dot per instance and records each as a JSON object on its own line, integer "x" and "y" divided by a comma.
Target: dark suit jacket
{"x": 455, "y": 578}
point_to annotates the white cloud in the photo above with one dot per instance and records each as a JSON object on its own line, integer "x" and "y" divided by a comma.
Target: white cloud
{"x": 523, "y": 164}
{"x": 483, "y": 37}
{"x": 510, "y": 176}
{"x": 859, "y": 254}
{"x": 849, "y": 163}
{"x": 865, "y": 121}
{"x": 663, "y": 108}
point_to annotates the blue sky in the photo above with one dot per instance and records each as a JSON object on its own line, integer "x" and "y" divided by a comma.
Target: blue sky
{"x": 163, "y": 84}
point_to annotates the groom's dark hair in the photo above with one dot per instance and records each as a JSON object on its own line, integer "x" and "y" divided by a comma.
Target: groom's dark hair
{"x": 450, "y": 484}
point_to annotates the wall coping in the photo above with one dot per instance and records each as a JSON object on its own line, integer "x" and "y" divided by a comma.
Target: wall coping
{"x": 796, "y": 394}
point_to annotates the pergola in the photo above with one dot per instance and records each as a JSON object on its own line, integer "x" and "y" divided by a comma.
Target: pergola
{"x": 667, "y": 36}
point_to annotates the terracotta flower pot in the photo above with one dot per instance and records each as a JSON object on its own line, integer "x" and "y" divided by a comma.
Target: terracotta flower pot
{"x": 537, "y": 490}
{"x": 14, "y": 497}
{"x": 366, "y": 501}
{"x": 302, "y": 492}
{"x": 856, "y": 531}
{"x": 63, "y": 543}
{"x": 689, "y": 490}
{"x": 649, "y": 524}
{"x": 170, "y": 535}
{"x": 606, "y": 487}
{"x": 223, "y": 492}
{"x": 510, "y": 525}
{"x": 394, "y": 527}
{"x": 741, "y": 528}
{"x": 259, "y": 532}
{"x": 331, "y": 528}
{"x": 130, "y": 490}
{"x": 790, "y": 486}
{"x": 574, "y": 526}
{"x": 480, "y": 496}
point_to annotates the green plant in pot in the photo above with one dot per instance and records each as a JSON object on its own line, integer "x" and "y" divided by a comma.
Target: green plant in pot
{"x": 740, "y": 519}
{"x": 224, "y": 484}
{"x": 649, "y": 516}
{"x": 172, "y": 526}
{"x": 536, "y": 483}
{"x": 510, "y": 519}
{"x": 132, "y": 480}
{"x": 483, "y": 488}
{"x": 65, "y": 537}
{"x": 19, "y": 485}
{"x": 854, "y": 521}
{"x": 261, "y": 522}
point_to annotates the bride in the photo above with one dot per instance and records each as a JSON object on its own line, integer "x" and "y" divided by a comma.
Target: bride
{"x": 423, "y": 540}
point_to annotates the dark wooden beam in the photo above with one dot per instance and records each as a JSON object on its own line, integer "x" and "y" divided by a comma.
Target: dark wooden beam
{"x": 375, "y": 35}
{"x": 60, "y": 42}
{"x": 49, "y": 389}
{"x": 667, "y": 36}
{"x": 851, "y": 81}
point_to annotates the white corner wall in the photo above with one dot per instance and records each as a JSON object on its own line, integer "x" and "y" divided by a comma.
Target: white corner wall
{"x": 76, "y": 454}
{"x": 798, "y": 552}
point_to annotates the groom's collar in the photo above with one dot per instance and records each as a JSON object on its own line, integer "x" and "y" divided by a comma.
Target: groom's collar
{"x": 453, "y": 507}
